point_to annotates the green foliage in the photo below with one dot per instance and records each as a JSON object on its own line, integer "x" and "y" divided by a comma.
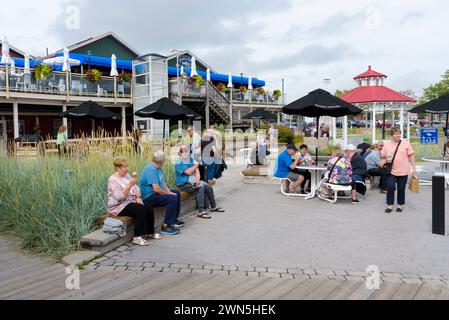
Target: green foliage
{"x": 277, "y": 93}
{"x": 51, "y": 211}
{"x": 339, "y": 93}
{"x": 42, "y": 71}
{"x": 284, "y": 133}
{"x": 198, "y": 81}
{"x": 436, "y": 90}
{"x": 261, "y": 90}
{"x": 221, "y": 87}
{"x": 243, "y": 89}
{"x": 93, "y": 75}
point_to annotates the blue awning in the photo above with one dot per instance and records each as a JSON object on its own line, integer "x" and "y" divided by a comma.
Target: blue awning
{"x": 220, "y": 77}
{"x": 20, "y": 62}
{"x": 99, "y": 61}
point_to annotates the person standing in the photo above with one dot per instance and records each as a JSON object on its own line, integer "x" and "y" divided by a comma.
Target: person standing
{"x": 195, "y": 141}
{"x": 61, "y": 140}
{"x": 399, "y": 154}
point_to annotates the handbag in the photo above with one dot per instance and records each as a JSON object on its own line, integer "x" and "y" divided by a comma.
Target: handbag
{"x": 414, "y": 185}
{"x": 114, "y": 226}
{"x": 389, "y": 166}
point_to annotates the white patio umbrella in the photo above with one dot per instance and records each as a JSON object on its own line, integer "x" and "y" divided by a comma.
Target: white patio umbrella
{"x": 193, "y": 67}
{"x": 230, "y": 81}
{"x": 13, "y": 67}
{"x": 114, "y": 71}
{"x": 64, "y": 61}
{"x": 182, "y": 71}
{"x": 208, "y": 74}
{"x": 250, "y": 83}
{"x": 26, "y": 69}
{"x": 6, "y": 59}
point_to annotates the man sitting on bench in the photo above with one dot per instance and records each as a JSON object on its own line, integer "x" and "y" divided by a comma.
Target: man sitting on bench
{"x": 284, "y": 168}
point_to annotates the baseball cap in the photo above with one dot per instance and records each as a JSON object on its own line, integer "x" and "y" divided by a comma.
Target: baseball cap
{"x": 292, "y": 147}
{"x": 350, "y": 147}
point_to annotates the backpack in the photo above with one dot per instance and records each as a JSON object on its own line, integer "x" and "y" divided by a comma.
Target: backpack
{"x": 114, "y": 226}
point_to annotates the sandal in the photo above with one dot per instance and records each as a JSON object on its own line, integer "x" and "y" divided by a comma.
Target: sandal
{"x": 140, "y": 241}
{"x": 218, "y": 209}
{"x": 204, "y": 215}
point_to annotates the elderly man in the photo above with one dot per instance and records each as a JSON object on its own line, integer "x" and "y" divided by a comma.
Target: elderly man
{"x": 285, "y": 167}
{"x": 156, "y": 194}
{"x": 359, "y": 169}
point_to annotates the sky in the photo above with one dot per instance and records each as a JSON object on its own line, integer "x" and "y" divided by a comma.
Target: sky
{"x": 300, "y": 41}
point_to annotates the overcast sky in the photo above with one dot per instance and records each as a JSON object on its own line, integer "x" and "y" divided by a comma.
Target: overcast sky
{"x": 302, "y": 42}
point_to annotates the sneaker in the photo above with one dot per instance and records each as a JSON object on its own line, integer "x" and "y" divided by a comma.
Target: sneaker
{"x": 140, "y": 241}
{"x": 178, "y": 224}
{"x": 388, "y": 210}
{"x": 355, "y": 201}
{"x": 155, "y": 236}
{"x": 169, "y": 231}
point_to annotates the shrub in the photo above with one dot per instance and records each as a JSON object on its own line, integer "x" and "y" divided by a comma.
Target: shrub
{"x": 51, "y": 211}
{"x": 284, "y": 133}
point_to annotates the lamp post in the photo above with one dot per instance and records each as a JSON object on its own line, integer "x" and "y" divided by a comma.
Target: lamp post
{"x": 88, "y": 59}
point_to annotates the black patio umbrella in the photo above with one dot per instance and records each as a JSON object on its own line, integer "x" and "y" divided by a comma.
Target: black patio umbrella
{"x": 260, "y": 114}
{"x": 91, "y": 110}
{"x": 438, "y": 105}
{"x": 166, "y": 109}
{"x": 319, "y": 103}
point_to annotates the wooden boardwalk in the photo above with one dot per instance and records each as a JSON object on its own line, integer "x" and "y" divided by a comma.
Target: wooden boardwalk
{"x": 25, "y": 277}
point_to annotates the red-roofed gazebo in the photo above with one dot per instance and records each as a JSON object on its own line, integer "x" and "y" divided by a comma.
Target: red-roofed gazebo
{"x": 372, "y": 96}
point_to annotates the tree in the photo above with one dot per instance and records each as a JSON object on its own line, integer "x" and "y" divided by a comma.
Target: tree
{"x": 339, "y": 93}
{"x": 436, "y": 90}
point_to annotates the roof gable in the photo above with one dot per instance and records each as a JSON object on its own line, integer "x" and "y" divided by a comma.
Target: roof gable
{"x": 370, "y": 73}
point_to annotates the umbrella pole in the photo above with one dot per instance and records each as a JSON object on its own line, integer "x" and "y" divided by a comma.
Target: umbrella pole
{"x": 317, "y": 139}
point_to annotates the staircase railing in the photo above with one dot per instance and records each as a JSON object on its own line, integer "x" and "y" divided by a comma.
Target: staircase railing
{"x": 218, "y": 99}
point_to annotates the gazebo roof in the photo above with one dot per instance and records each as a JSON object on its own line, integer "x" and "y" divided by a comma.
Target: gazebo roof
{"x": 370, "y": 73}
{"x": 366, "y": 94}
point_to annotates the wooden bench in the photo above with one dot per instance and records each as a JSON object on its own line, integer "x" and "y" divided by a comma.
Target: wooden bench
{"x": 103, "y": 242}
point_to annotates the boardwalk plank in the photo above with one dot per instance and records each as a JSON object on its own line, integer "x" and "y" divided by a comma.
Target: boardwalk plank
{"x": 387, "y": 291}
{"x": 343, "y": 291}
{"x": 428, "y": 292}
{"x": 201, "y": 291}
{"x": 444, "y": 293}
{"x": 26, "y": 277}
{"x": 406, "y": 291}
{"x": 287, "y": 286}
{"x": 361, "y": 293}
{"x": 150, "y": 289}
{"x": 322, "y": 291}
{"x": 261, "y": 289}
{"x": 303, "y": 289}
{"x": 244, "y": 286}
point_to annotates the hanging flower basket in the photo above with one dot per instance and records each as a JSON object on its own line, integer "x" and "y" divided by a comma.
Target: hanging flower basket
{"x": 125, "y": 76}
{"x": 42, "y": 71}
{"x": 93, "y": 75}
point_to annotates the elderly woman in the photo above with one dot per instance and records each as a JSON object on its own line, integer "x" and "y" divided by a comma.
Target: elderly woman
{"x": 399, "y": 155}
{"x": 188, "y": 179}
{"x": 124, "y": 199}
{"x": 340, "y": 172}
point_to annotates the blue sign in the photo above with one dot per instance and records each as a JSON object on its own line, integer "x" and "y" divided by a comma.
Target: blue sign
{"x": 429, "y": 136}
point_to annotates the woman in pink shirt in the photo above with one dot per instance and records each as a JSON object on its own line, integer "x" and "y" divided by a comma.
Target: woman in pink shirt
{"x": 124, "y": 199}
{"x": 400, "y": 170}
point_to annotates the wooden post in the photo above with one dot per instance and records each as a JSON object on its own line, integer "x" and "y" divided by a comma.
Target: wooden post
{"x": 7, "y": 81}
{"x": 207, "y": 104}
{"x": 123, "y": 125}
{"x": 15, "y": 111}
{"x": 115, "y": 89}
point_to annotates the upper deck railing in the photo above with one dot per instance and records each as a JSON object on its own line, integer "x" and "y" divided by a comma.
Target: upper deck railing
{"x": 62, "y": 84}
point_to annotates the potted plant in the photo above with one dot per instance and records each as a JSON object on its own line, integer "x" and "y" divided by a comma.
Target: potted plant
{"x": 277, "y": 93}
{"x": 125, "y": 76}
{"x": 261, "y": 91}
{"x": 93, "y": 75}
{"x": 221, "y": 87}
{"x": 243, "y": 89}
{"x": 42, "y": 71}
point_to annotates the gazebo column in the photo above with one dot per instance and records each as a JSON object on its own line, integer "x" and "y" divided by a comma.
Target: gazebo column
{"x": 408, "y": 122}
{"x": 374, "y": 123}
{"x": 401, "y": 121}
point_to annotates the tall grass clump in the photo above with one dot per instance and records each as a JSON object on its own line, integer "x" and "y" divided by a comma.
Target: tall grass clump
{"x": 51, "y": 202}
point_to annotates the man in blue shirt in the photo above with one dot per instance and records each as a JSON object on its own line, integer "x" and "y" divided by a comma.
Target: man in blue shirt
{"x": 285, "y": 166}
{"x": 155, "y": 193}
{"x": 188, "y": 179}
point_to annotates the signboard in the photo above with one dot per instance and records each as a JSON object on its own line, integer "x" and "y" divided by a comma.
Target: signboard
{"x": 429, "y": 136}
{"x": 185, "y": 61}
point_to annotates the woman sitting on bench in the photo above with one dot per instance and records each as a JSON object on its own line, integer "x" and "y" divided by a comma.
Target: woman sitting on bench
{"x": 124, "y": 199}
{"x": 339, "y": 172}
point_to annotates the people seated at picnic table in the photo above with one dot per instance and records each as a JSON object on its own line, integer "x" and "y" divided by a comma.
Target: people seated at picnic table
{"x": 359, "y": 171}
{"x": 305, "y": 159}
{"x": 124, "y": 199}
{"x": 364, "y": 146}
{"x": 188, "y": 179}
{"x": 375, "y": 165}
{"x": 155, "y": 193}
{"x": 285, "y": 166}
{"x": 339, "y": 172}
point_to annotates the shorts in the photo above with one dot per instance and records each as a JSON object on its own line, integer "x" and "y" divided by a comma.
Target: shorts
{"x": 292, "y": 176}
